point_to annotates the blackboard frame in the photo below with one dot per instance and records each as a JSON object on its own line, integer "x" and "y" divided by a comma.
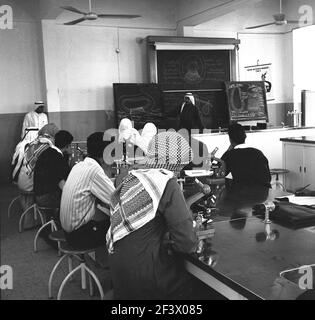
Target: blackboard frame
{"x": 193, "y": 69}
{"x": 152, "y": 52}
{"x": 253, "y": 84}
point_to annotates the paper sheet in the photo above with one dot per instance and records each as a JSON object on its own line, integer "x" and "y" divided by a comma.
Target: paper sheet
{"x": 198, "y": 173}
{"x": 303, "y": 201}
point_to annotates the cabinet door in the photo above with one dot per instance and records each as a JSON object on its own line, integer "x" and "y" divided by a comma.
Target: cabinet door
{"x": 293, "y": 161}
{"x": 309, "y": 165}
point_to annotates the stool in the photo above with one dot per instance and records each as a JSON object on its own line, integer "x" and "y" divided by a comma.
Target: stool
{"x": 79, "y": 254}
{"x": 17, "y": 198}
{"x": 58, "y": 236}
{"x": 277, "y": 172}
{"x": 36, "y": 211}
{"x": 50, "y": 223}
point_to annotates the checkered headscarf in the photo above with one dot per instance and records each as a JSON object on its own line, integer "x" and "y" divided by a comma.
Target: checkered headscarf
{"x": 168, "y": 150}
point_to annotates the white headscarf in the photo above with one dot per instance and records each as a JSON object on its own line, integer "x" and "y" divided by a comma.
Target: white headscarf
{"x": 130, "y": 135}
{"x": 190, "y": 96}
{"x": 38, "y": 104}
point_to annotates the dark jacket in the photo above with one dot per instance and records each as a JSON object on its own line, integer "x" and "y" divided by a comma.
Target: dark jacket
{"x": 189, "y": 118}
{"x": 141, "y": 267}
{"x": 248, "y": 166}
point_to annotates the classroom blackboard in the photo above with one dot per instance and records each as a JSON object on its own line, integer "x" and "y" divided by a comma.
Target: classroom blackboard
{"x": 140, "y": 102}
{"x": 192, "y": 69}
{"x": 247, "y": 100}
{"x": 212, "y": 107}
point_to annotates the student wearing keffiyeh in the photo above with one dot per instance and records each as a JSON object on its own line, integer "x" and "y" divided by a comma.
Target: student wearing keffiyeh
{"x": 31, "y": 153}
{"x": 23, "y": 157}
{"x": 145, "y": 206}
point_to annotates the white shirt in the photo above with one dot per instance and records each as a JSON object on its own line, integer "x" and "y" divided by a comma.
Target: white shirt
{"x": 33, "y": 120}
{"x": 86, "y": 182}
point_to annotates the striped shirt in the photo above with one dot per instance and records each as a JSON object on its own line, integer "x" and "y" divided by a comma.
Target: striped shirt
{"x": 85, "y": 183}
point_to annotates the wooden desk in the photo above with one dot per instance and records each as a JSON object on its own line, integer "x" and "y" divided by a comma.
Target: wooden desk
{"x": 240, "y": 264}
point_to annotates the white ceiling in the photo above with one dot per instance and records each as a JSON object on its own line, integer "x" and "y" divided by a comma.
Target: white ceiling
{"x": 251, "y": 15}
{"x": 215, "y": 15}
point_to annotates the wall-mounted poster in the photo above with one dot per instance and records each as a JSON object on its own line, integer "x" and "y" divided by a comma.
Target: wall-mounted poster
{"x": 247, "y": 100}
{"x": 261, "y": 72}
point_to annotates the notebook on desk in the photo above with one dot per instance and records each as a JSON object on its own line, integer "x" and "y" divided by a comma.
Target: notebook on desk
{"x": 294, "y": 215}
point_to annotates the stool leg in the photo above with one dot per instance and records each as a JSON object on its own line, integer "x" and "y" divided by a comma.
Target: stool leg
{"x": 52, "y": 274}
{"x": 83, "y": 279}
{"x": 53, "y": 226}
{"x": 66, "y": 279}
{"x": 281, "y": 185}
{"x": 70, "y": 266}
{"x": 91, "y": 285}
{"x": 22, "y": 217}
{"x": 40, "y": 216}
{"x": 96, "y": 281}
{"x": 11, "y": 204}
{"x": 39, "y": 231}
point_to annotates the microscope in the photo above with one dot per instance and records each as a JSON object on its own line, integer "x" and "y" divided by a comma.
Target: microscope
{"x": 203, "y": 204}
{"x": 268, "y": 233}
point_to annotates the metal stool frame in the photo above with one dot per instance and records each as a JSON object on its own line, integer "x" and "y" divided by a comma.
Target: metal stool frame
{"x": 82, "y": 267}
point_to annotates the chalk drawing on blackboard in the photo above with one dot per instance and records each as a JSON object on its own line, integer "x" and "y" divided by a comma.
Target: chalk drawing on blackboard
{"x": 247, "y": 100}
{"x": 192, "y": 68}
{"x": 205, "y": 107}
{"x": 141, "y": 103}
{"x": 137, "y": 103}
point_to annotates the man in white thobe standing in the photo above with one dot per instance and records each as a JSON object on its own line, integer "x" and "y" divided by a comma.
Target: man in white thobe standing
{"x": 34, "y": 121}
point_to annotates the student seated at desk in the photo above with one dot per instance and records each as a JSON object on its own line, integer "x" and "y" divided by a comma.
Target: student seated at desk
{"x": 26, "y": 155}
{"x": 51, "y": 171}
{"x": 249, "y": 166}
{"x": 23, "y": 164}
{"x": 87, "y": 183}
{"x": 144, "y": 208}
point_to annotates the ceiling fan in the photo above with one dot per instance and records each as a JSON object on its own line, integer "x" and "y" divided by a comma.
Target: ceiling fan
{"x": 93, "y": 16}
{"x": 279, "y": 20}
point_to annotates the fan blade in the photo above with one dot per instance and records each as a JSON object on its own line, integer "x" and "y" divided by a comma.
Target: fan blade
{"x": 69, "y": 8}
{"x": 261, "y": 25}
{"x": 118, "y": 16}
{"x": 74, "y": 22}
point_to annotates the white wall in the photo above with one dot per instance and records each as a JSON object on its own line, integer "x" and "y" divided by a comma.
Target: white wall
{"x": 269, "y": 48}
{"x": 22, "y": 79}
{"x": 81, "y": 63}
{"x": 303, "y": 61}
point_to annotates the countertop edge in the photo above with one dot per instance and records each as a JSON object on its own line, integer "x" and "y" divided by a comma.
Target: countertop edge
{"x": 253, "y": 131}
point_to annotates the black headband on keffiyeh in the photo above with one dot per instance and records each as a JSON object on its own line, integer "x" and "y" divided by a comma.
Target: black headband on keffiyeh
{"x": 168, "y": 150}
